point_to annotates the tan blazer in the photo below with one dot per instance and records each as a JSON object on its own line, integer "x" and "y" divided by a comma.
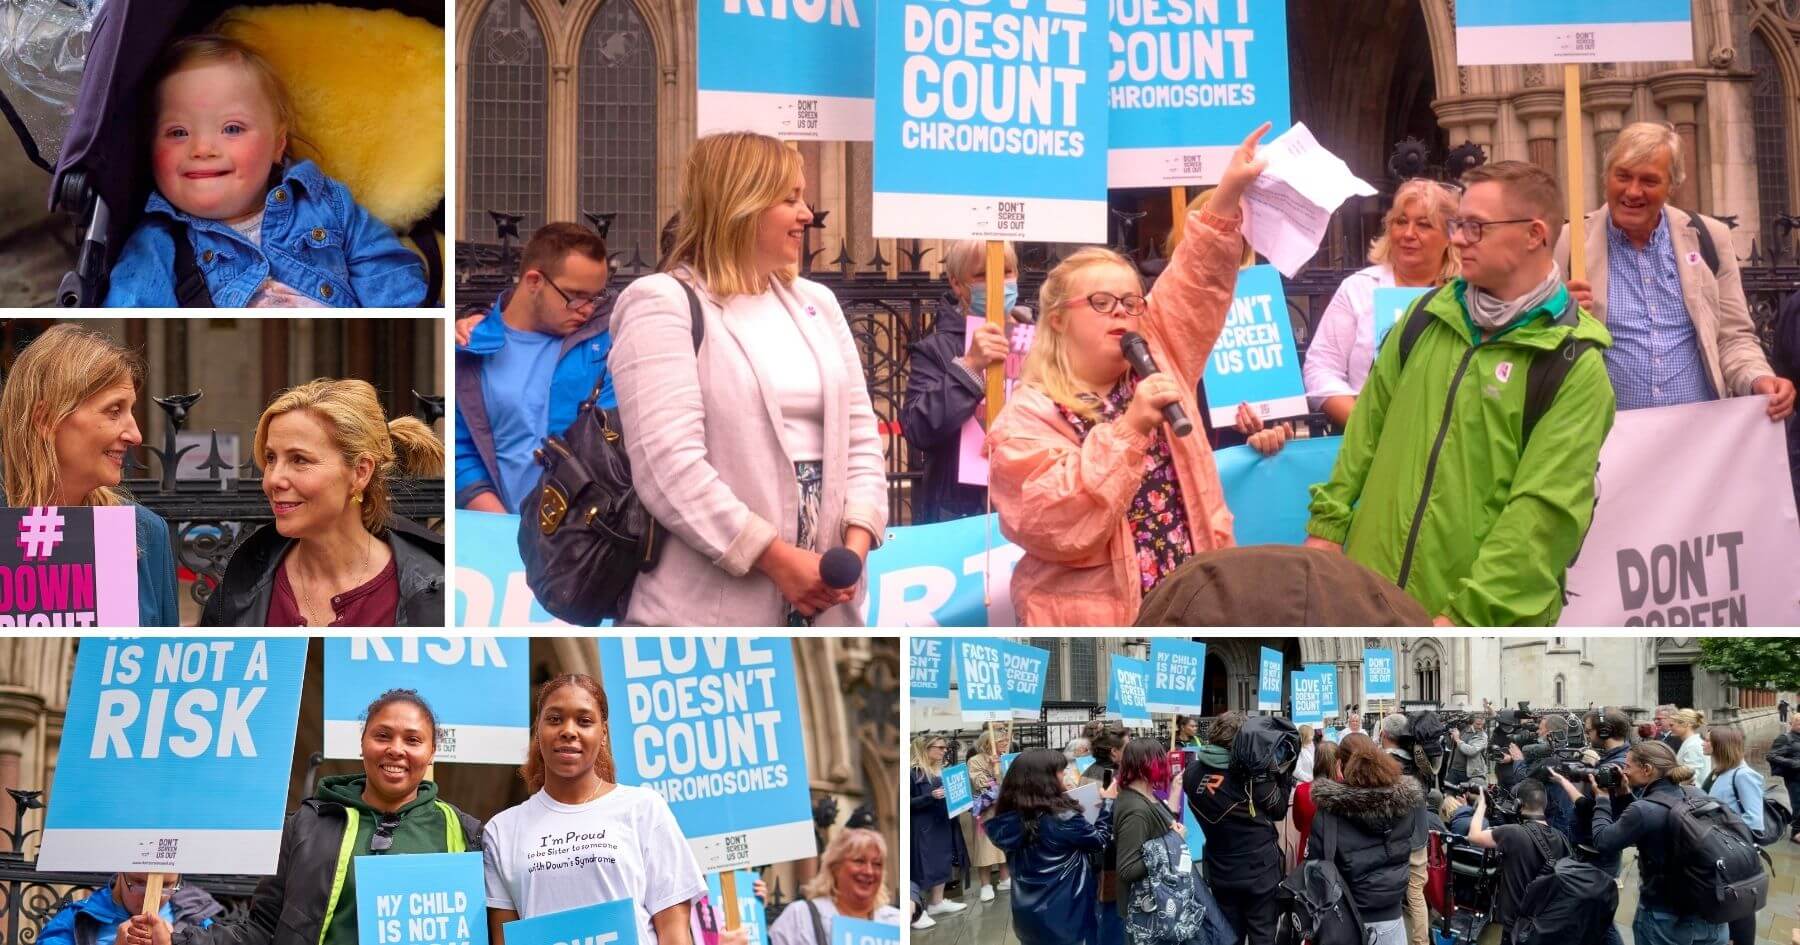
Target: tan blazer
{"x": 1734, "y": 358}
{"x": 707, "y": 459}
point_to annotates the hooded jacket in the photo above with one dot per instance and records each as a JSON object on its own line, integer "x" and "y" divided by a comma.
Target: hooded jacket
{"x": 1063, "y": 498}
{"x": 95, "y": 920}
{"x": 1239, "y": 821}
{"x": 1054, "y": 879}
{"x": 940, "y": 399}
{"x": 1374, "y": 829}
{"x": 242, "y": 598}
{"x": 311, "y": 899}
{"x": 1434, "y": 486}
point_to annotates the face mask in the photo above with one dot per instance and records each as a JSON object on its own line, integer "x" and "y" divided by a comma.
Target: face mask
{"x": 978, "y": 297}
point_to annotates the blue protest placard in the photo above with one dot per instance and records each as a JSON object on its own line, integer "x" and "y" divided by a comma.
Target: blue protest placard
{"x": 713, "y": 725}
{"x": 1083, "y": 763}
{"x": 928, "y": 669}
{"x": 936, "y": 575}
{"x": 1327, "y": 673}
{"x": 824, "y": 89}
{"x": 1390, "y": 306}
{"x": 959, "y": 791}
{"x": 1275, "y": 491}
{"x": 1253, "y": 361}
{"x": 1308, "y": 704}
{"x": 1268, "y": 681}
{"x": 148, "y": 721}
{"x": 751, "y": 915}
{"x": 606, "y": 923}
{"x": 479, "y": 688}
{"x": 1128, "y": 690}
{"x": 991, "y": 122}
{"x": 1006, "y": 761}
{"x": 980, "y": 683}
{"x": 1196, "y": 838}
{"x": 1188, "y": 82}
{"x": 1378, "y": 674}
{"x": 1502, "y": 32}
{"x": 1177, "y": 671}
{"x": 422, "y": 899}
{"x": 490, "y": 577}
{"x": 848, "y": 931}
{"x": 1024, "y": 667}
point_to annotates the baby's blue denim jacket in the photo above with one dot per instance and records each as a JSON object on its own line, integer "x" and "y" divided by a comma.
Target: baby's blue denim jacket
{"x": 315, "y": 238}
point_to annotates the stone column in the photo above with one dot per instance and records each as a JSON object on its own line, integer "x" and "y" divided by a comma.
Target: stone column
{"x": 1679, "y": 93}
{"x": 1469, "y": 118}
{"x": 1540, "y": 108}
{"x": 19, "y": 714}
{"x": 1607, "y": 100}
{"x": 562, "y": 189}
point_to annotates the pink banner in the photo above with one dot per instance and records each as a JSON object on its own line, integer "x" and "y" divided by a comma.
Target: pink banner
{"x": 70, "y": 566}
{"x": 972, "y": 466}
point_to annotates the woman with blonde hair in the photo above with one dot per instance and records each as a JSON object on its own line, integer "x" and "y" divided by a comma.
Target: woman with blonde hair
{"x": 1103, "y": 501}
{"x": 751, "y": 439}
{"x": 1687, "y": 725}
{"x": 67, "y": 404}
{"x": 984, "y": 783}
{"x": 933, "y": 834}
{"x": 852, "y": 881}
{"x": 336, "y": 554}
{"x": 1413, "y": 251}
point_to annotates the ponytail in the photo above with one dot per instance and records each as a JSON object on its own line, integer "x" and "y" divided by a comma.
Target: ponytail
{"x": 418, "y": 453}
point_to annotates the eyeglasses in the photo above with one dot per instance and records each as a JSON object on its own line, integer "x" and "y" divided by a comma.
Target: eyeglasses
{"x": 575, "y": 303}
{"x": 383, "y": 840}
{"x": 1104, "y": 303}
{"x": 1472, "y": 229}
{"x": 139, "y": 888}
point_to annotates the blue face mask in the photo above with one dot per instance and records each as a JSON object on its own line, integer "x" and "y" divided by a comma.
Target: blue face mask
{"x": 978, "y": 297}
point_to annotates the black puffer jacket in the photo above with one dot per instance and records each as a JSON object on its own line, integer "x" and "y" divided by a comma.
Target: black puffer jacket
{"x": 242, "y": 598}
{"x": 1238, "y": 818}
{"x": 1374, "y": 829}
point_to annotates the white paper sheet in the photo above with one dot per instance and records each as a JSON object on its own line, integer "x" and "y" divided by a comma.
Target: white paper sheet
{"x": 1289, "y": 207}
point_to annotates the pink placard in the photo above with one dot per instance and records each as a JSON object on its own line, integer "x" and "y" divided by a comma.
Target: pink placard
{"x": 68, "y": 567}
{"x": 972, "y": 465}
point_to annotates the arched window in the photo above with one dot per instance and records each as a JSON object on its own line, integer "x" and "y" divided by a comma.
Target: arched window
{"x": 1426, "y": 675}
{"x": 507, "y": 124}
{"x": 618, "y": 128}
{"x": 1769, "y": 120}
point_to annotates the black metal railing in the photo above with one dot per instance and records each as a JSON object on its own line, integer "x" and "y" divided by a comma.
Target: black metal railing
{"x": 892, "y": 303}
{"x": 210, "y": 516}
{"x": 30, "y": 897}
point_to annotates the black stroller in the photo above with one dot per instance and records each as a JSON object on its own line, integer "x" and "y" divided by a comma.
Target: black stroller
{"x": 1462, "y": 886}
{"x": 100, "y": 176}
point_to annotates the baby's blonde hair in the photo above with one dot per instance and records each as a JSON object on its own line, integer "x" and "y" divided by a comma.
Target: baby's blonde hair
{"x": 403, "y": 448}
{"x": 1047, "y": 366}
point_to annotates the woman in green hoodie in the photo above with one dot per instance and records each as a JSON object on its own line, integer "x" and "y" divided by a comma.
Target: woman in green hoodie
{"x": 389, "y": 809}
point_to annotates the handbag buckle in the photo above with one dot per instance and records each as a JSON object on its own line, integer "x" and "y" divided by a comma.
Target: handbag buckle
{"x": 551, "y": 509}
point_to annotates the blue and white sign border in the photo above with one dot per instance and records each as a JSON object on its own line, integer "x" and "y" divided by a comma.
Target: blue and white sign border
{"x": 1501, "y": 32}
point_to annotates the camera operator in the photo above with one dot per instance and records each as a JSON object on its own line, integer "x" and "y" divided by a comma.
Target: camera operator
{"x": 1526, "y": 848}
{"x": 1239, "y": 813}
{"x": 1468, "y": 752}
{"x": 1533, "y": 762}
{"x": 1662, "y": 917}
{"x": 1397, "y": 743}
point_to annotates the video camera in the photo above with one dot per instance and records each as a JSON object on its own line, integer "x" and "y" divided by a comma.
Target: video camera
{"x": 1511, "y": 727}
{"x": 1606, "y": 777}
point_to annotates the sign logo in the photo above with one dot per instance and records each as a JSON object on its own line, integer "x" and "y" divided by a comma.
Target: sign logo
{"x": 40, "y": 531}
{"x": 1503, "y": 371}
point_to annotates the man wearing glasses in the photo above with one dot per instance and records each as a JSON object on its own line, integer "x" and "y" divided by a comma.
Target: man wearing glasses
{"x": 1448, "y": 483}
{"x": 95, "y": 920}
{"x": 529, "y": 364}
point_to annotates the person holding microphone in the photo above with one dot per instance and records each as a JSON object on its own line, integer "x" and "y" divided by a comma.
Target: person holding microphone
{"x": 1102, "y": 496}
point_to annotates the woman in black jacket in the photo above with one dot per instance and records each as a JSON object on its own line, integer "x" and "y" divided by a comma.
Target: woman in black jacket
{"x": 388, "y": 810}
{"x": 335, "y": 556}
{"x": 1368, "y": 822}
{"x": 1049, "y": 850}
{"x": 933, "y": 835}
{"x": 946, "y": 379}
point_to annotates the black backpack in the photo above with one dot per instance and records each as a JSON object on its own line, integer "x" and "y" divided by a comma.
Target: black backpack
{"x": 583, "y": 534}
{"x": 1714, "y": 867}
{"x": 1569, "y": 903}
{"x": 1316, "y": 905}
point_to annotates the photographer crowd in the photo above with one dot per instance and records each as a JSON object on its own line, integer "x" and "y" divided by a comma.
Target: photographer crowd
{"x": 1493, "y": 827}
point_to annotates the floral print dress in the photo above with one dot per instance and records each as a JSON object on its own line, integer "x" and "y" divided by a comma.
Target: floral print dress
{"x": 1158, "y": 519}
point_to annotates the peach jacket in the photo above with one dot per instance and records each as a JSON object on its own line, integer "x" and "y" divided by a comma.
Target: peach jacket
{"x": 1063, "y": 499}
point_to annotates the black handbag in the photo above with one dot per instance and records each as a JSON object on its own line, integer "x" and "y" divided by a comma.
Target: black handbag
{"x": 583, "y": 534}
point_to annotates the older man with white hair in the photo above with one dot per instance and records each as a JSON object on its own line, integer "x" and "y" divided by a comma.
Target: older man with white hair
{"x": 1666, "y": 283}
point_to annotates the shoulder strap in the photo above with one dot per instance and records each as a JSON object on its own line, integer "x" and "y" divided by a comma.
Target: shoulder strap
{"x": 345, "y": 850}
{"x": 1543, "y": 846}
{"x": 190, "y": 282}
{"x": 1544, "y": 378}
{"x": 818, "y": 921}
{"x": 1417, "y": 320}
{"x": 697, "y": 328}
{"x": 454, "y": 841}
{"x": 1709, "y": 250}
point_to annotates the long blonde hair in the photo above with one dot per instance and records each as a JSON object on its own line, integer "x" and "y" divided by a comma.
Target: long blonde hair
{"x": 403, "y": 448}
{"x": 844, "y": 844}
{"x": 1439, "y": 206}
{"x": 1047, "y": 366}
{"x": 921, "y": 755}
{"x": 56, "y": 374}
{"x": 727, "y": 183}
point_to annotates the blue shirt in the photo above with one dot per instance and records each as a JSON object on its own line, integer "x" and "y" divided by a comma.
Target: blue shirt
{"x": 1655, "y": 357}
{"x": 1741, "y": 790}
{"x": 516, "y": 387}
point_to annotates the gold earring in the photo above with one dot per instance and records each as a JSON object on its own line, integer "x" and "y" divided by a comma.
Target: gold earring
{"x": 357, "y": 498}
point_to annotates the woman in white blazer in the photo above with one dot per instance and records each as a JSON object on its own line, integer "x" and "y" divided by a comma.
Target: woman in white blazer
{"x": 760, "y": 452}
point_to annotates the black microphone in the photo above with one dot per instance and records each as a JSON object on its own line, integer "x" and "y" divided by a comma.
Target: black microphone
{"x": 840, "y": 568}
{"x": 1137, "y": 352}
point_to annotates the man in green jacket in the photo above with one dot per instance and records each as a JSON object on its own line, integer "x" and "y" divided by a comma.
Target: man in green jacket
{"x": 1437, "y": 485}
